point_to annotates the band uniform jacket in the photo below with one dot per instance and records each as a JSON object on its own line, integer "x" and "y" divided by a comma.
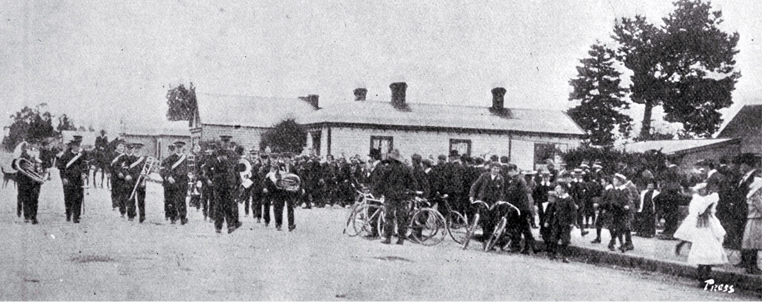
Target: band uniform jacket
{"x": 115, "y": 166}
{"x": 179, "y": 173}
{"x": 73, "y": 172}
{"x": 134, "y": 168}
{"x": 488, "y": 189}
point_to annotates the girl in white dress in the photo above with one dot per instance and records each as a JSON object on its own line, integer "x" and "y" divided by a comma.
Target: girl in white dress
{"x": 705, "y": 233}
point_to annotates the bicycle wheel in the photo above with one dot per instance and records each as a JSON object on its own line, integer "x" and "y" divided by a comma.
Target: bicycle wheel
{"x": 428, "y": 227}
{"x": 349, "y": 229}
{"x": 457, "y": 227}
{"x": 496, "y": 234}
{"x": 470, "y": 231}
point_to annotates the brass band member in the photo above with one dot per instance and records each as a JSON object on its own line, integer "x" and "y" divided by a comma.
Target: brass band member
{"x": 135, "y": 167}
{"x": 73, "y": 170}
{"x": 28, "y": 187}
{"x": 224, "y": 179}
{"x": 117, "y": 178}
{"x": 175, "y": 175}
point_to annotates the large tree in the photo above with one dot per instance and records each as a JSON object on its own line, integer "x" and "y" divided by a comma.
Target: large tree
{"x": 685, "y": 65}
{"x": 29, "y": 124}
{"x": 601, "y": 97}
{"x": 181, "y": 102}
{"x": 286, "y": 136}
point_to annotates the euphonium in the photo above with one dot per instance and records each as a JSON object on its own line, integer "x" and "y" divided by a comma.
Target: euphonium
{"x": 289, "y": 182}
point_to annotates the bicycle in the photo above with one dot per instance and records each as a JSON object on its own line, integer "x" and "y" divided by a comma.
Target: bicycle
{"x": 363, "y": 213}
{"x": 427, "y": 226}
{"x": 457, "y": 223}
{"x": 499, "y": 229}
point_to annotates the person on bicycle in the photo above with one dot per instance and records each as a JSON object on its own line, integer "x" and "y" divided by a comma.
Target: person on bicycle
{"x": 489, "y": 188}
{"x": 397, "y": 181}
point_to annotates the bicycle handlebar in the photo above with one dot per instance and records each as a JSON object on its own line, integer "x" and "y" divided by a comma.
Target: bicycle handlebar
{"x": 483, "y": 203}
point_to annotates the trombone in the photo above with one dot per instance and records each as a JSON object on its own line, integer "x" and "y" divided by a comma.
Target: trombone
{"x": 148, "y": 167}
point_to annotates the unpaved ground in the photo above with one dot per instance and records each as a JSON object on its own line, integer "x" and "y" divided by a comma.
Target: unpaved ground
{"x": 106, "y": 258}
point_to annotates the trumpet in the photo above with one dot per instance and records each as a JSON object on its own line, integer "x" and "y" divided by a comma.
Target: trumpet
{"x": 30, "y": 169}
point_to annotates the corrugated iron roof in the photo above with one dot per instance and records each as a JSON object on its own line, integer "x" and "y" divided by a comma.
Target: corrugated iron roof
{"x": 674, "y": 146}
{"x": 445, "y": 116}
{"x": 250, "y": 111}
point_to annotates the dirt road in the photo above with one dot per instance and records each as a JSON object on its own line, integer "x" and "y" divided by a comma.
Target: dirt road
{"x": 106, "y": 258}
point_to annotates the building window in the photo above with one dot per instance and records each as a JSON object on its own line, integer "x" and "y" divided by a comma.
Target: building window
{"x": 463, "y": 146}
{"x": 544, "y": 151}
{"x": 385, "y": 144}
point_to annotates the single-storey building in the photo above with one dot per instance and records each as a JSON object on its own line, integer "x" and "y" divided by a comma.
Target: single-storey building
{"x": 746, "y": 125}
{"x": 685, "y": 153}
{"x": 526, "y": 136}
{"x": 156, "y": 139}
{"x": 245, "y": 118}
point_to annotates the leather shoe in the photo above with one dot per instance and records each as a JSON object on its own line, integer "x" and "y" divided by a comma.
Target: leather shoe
{"x": 584, "y": 233}
{"x": 611, "y": 247}
{"x": 754, "y": 270}
{"x": 596, "y": 241}
{"x": 400, "y": 241}
{"x": 628, "y": 247}
{"x": 185, "y": 221}
{"x": 387, "y": 241}
{"x": 565, "y": 260}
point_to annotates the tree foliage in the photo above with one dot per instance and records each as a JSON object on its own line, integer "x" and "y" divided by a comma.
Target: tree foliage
{"x": 597, "y": 87}
{"x": 65, "y": 124}
{"x": 685, "y": 65}
{"x": 181, "y": 102}
{"x": 29, "y": 124}
{"x": 286, "y": 136}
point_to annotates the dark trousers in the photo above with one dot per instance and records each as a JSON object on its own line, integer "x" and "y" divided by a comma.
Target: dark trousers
{"x": 396, "y": 210}
{"x": 522, "y": 227}
{"x": 167, "y": 200}
{"x": 123, "y": 196}
{"x": 19, "y": 202}
{"x": 487, "y": 220}
{"x": 261, "y": 207}
{"x": 140, "y": 193}
{"x": 29, "y": 195}
{"x": 225, "y": 208}
{"x": 207, "y": 196}
{"x": 278, "y": 204}
{"x": 563, "y": 234}
{"x": 73, "y": 196}
{"x": 176, "y": 205}
{"x": 749, "y": 259}
{"x": 115, "y": 187}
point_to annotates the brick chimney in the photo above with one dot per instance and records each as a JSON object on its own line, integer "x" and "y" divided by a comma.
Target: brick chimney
{"x": 312, "y": 100}
{"x": 398, "y": 93}
{"x": 498, "y": 99}
{"x": 360, "y": 94}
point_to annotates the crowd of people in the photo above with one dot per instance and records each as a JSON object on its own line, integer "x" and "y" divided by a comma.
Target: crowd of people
{"x": 588, "y": 197}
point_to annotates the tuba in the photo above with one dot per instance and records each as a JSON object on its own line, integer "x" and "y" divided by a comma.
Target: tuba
{"x": 30, "y": 169}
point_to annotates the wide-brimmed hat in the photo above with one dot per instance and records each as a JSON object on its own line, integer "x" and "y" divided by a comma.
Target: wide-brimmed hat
{"x": 395, "y": 155}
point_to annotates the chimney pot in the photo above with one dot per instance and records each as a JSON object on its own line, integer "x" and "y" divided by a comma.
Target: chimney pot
{"x": 498, "y": 99}
{"x": 360, "y": 94}
{"x": 312, "y": 100}
{"x": 398, "y": 93}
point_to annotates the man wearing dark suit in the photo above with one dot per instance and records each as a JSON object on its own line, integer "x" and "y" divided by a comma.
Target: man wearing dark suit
{"x": 490, "y": 188}
{"x": 117, "y": 178}
{"x": 516, "y": 194}
{"x": 453, "y": 183}
{"x": 73, "y": 169}
{"x": 397, "y": 180}
{"x": 373, "y": 179}
{"x": 224, "y": 179}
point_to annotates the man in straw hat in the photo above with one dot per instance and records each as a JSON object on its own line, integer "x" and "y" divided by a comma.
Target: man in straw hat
{"x": 395, "y": 184}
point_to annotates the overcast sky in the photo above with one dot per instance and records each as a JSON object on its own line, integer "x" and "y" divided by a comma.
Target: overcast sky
{"x": 100, "y": 61}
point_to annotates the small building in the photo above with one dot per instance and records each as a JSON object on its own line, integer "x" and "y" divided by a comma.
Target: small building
{"x": 526, "y": 136}
{"x": 746, "y": 125}
{"x": 157, "y": 137}
{"x": 245, "y": 118}
{"x": 685, "y": 153}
